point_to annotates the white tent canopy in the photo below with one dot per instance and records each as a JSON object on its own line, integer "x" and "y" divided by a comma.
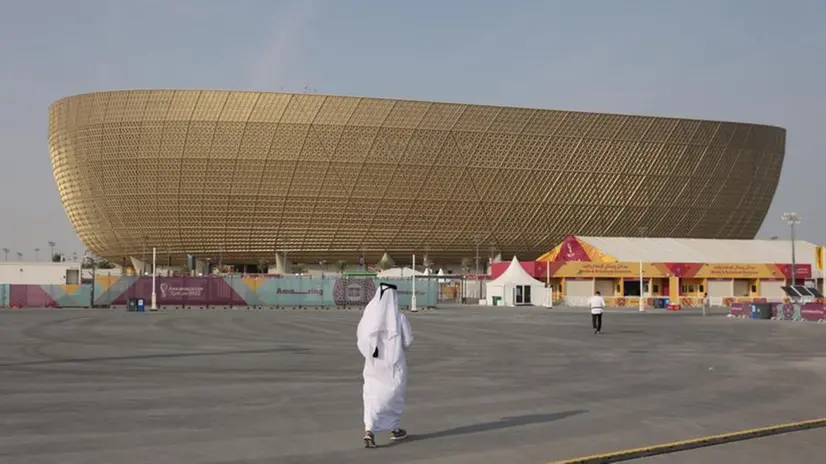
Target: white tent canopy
{"x": 441, "y": 273}
{"x": 515, "y": 287}
{"x": 695, "y": 250}
{"x": 398, "y": 272}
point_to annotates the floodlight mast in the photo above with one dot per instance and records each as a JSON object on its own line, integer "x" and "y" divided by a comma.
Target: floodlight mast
{"x": 792, "y": 219}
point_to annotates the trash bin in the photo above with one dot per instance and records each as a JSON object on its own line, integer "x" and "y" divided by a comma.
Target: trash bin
{"x": 764, "y": 310}
{"x": 131, "y": 304}
{"x": 496, "y": 300}
{"x": 755, "y": 312}
{"x": 140, "y": 305}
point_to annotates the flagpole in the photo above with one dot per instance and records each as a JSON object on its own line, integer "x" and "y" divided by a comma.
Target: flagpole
{"x": 642, "y": 290}
{"x": 413, "y": 296}
{"x": 548, "y": 284}
{"x": 154, "y": 305}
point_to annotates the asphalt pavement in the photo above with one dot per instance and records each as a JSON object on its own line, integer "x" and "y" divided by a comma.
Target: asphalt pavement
{"x": 487, "y": 385}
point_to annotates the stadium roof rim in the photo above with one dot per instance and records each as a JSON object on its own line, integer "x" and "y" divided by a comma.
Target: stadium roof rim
{"x": 411, "y": 100}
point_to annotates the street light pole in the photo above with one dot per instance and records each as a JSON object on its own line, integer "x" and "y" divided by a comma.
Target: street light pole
{"x": 642, "y": 231}
{"x": 154, "y": 301}
{"x": 792, "y": 219}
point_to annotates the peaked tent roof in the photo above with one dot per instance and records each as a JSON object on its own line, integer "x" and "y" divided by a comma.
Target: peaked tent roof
{"x": 515, "y": 274}
{"x": 574, "y": 249}
{"x": 687, "y": 250}
{"x": 398, "y": 272}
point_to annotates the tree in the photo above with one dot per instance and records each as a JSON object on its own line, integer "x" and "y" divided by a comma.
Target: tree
{"x": 93, "y": 261}
{"x": 467, "y": 264}
{"x": 341, "y": 265}
{"x": 263, "y": 265}
{"x": 385, "y": 263}
{"x": 57, "y": 257}
{"x": 6, "y": 253}
{"x": 300, "y": 268}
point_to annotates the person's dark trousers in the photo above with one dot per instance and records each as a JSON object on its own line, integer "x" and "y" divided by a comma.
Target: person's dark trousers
{"x": 596, "y": 321}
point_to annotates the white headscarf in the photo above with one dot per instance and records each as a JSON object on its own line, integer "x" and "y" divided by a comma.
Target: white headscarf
{"x": 380, "y": 322}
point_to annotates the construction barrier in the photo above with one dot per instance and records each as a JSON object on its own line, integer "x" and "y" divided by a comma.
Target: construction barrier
{"x": 783, "y": 311}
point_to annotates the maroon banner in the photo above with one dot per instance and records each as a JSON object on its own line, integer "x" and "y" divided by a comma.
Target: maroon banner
{"x": 30, "y": 296}
{"x": 803, "y": 271}
{"x": 740, "y": 309}
{"x": 812, "y": 312}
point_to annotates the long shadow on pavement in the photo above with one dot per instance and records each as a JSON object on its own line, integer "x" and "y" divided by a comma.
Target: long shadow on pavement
{"x": 92, "y": 360}
{"x": 505, "y": 422}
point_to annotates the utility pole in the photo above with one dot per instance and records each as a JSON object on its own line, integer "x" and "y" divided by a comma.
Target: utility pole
{"x": 792, "y": 219}
{"x": 643, "y": 231}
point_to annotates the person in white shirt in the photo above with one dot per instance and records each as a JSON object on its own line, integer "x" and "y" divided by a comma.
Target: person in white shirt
{"x": 597, "y": 305}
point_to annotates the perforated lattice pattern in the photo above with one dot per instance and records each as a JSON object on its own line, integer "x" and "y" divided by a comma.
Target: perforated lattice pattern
{"x": 325, "y": 177}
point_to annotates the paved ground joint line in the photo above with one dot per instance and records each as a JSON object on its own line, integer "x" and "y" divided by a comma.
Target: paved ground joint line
{"x": 695, "y": 443}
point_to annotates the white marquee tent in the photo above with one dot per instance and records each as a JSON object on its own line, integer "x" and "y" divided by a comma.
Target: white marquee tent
{"x": 697, "y": 250}
{"x": 516, "y": 287}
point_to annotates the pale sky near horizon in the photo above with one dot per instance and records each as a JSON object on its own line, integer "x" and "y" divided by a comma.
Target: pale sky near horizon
{"x": 758, "y": 61}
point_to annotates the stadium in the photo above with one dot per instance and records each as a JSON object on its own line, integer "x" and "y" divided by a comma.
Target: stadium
{"x": 241, "y": 176}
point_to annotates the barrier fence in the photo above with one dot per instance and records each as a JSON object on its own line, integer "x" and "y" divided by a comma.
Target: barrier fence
{"x": 812, "y": 311}
{"x": 231, "y": 290}
{"x": 661, "y": 301}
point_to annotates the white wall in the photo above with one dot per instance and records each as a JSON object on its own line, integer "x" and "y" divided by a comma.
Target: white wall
{"x": 772, "y": 288}
{"x": 605, "y": 287}
{"x": 720, "y": 288}
{"x": 741, "y": 288}
{"x": 579, "y": 288}
{"x": 23, "y": 273}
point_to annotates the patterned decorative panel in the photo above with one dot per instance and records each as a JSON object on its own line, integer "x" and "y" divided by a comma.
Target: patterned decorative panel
{"x": 243, "y": 174}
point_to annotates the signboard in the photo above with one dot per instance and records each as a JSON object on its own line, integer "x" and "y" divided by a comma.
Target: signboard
{"x": 609, "y": 270}
{"x": 723, "y": 271}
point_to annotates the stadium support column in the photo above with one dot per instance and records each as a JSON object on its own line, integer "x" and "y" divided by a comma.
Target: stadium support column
{"x": 673, "y": 289}
{"x": 154, "y": 303}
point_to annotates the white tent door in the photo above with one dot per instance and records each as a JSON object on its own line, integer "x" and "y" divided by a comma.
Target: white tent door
{"x": 720, "y": 288}
{"x": 772, "y": 289}
{"x": 522, "y": 294}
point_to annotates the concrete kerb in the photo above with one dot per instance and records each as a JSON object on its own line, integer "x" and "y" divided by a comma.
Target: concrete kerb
{"x": 702, "y": 442}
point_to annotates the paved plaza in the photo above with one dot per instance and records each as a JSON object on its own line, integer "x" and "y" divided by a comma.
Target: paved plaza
{"x": 487, "y": 385}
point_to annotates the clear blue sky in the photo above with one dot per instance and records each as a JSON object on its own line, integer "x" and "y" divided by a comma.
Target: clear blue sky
{"x": 743, "y": 60}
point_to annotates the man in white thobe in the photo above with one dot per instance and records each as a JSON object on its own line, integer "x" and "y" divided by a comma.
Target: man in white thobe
{"x": 383, "y": 336}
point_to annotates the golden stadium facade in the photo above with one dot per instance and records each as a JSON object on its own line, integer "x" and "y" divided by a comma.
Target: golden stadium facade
{"x": 243, "y": 174}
